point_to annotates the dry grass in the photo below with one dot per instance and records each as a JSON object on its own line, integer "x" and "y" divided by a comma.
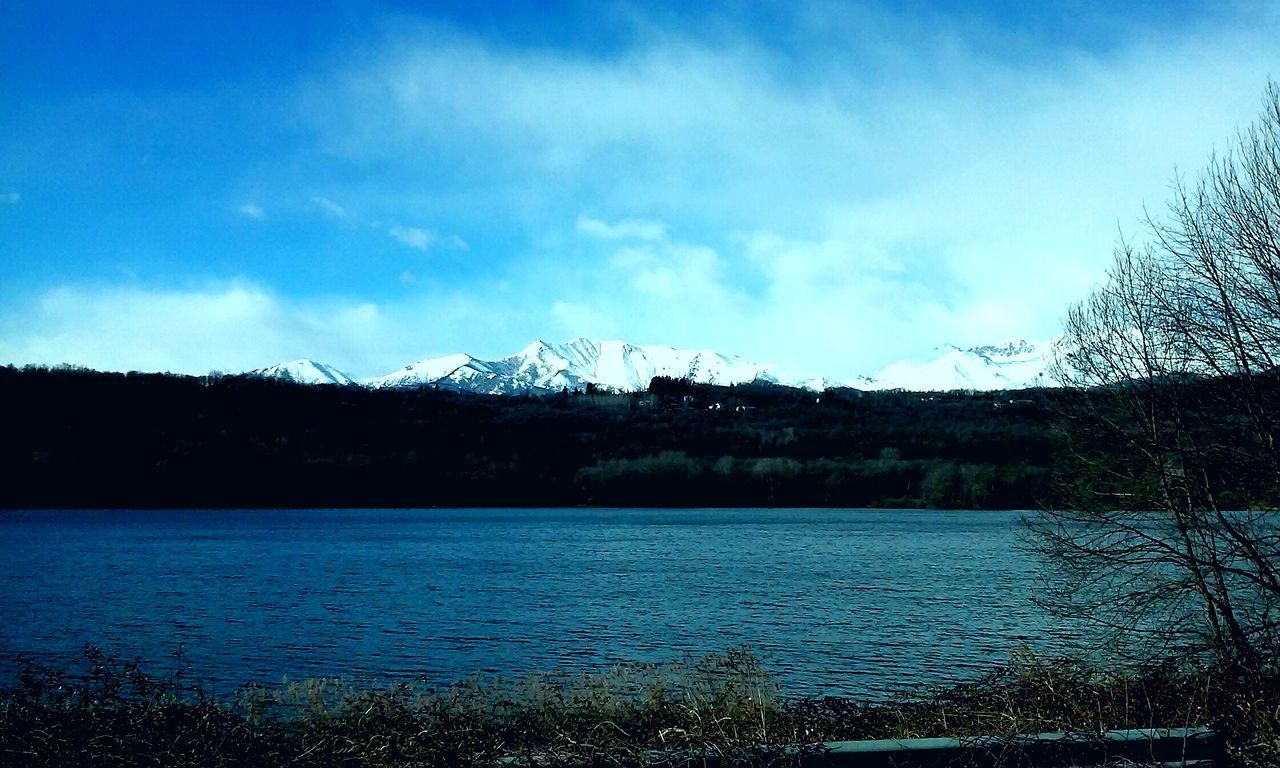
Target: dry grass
{"x": 108, "y": 712}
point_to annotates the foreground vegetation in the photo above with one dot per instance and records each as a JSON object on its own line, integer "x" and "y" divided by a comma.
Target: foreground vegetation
{"x": 111, "y": 713}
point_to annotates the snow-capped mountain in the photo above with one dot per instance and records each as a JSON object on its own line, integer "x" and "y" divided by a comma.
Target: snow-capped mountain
{"x": 305, "y": 372}
{"x": 618, "y": 366}
{"x": 541, "y": 367}
{"x": 1016, "y": 365}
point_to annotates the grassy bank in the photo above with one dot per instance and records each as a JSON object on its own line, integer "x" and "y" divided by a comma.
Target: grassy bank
{"x": 108, "y": 712}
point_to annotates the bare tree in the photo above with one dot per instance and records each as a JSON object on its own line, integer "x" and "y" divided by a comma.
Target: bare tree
{"x": 1171, "y": 414}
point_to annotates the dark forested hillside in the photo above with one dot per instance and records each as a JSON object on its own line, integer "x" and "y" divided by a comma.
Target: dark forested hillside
{"x": 79, "y": 438}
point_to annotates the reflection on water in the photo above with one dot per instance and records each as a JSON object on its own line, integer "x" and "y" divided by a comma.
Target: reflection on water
{"x": 834, "y": 601}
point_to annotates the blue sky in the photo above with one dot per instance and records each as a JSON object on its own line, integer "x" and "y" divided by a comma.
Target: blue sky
{"x": 823, "y": 186}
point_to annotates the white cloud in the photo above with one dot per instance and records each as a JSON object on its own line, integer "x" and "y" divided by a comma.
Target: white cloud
{"x": 575, "y": 320}
{"x": 889, "y": 186}
{"x": 329, "y": 207}
{"x": 253, "y": 211}
{"x": 795, "y": 304}
{"x": 626, "y": 229}
{"x": 242, "y": 325}
{"x": 671, "y": 272}
{"x": 414, "y": 237}
{"x": 10, "y": 198}
{"x": 231, "y": 327}
{"x": 899, "y": 187}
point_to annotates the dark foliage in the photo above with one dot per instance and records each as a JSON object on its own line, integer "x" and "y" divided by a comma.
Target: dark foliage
{"x": 80, "y": 438}
{"x": 721, "y": 707}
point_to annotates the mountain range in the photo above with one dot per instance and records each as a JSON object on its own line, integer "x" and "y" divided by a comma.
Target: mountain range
{"x": 619, "y": 366}
{"x": 306, "y": 372}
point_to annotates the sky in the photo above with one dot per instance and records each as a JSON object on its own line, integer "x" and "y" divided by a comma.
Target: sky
{"x": 825, "y": 187}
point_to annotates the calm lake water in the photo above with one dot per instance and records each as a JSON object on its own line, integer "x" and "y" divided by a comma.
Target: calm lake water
{"x": 833, "y": 601}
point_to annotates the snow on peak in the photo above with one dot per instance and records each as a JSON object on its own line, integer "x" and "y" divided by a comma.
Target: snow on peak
{"x": 620, "y": 366}
{"x": 534, "y": 349}
{"x": 1014, "y": 365}
{"x": 1010, "y": 350}
{"x": 609, "y": 365}
{"x": 305, "y": 372}
{"x": 424, "y": 371}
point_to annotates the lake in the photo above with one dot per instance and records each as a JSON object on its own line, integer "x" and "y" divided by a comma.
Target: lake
{"x": 833, "y": 601}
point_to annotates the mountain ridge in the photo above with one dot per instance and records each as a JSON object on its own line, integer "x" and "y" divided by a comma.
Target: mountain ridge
{"x": 305, "y": 371}
{"x": 619, "y": 366}
{"x": 542, "y": 368}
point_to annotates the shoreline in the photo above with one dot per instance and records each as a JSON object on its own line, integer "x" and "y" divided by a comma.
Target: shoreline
{"x": 724, "y": 705}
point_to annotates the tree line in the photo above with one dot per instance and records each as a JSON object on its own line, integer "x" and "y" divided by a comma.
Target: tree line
{"x": 84, "y": 438}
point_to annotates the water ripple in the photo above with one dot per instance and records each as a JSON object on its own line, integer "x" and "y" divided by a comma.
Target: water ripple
{"x": 835, "y": 601}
